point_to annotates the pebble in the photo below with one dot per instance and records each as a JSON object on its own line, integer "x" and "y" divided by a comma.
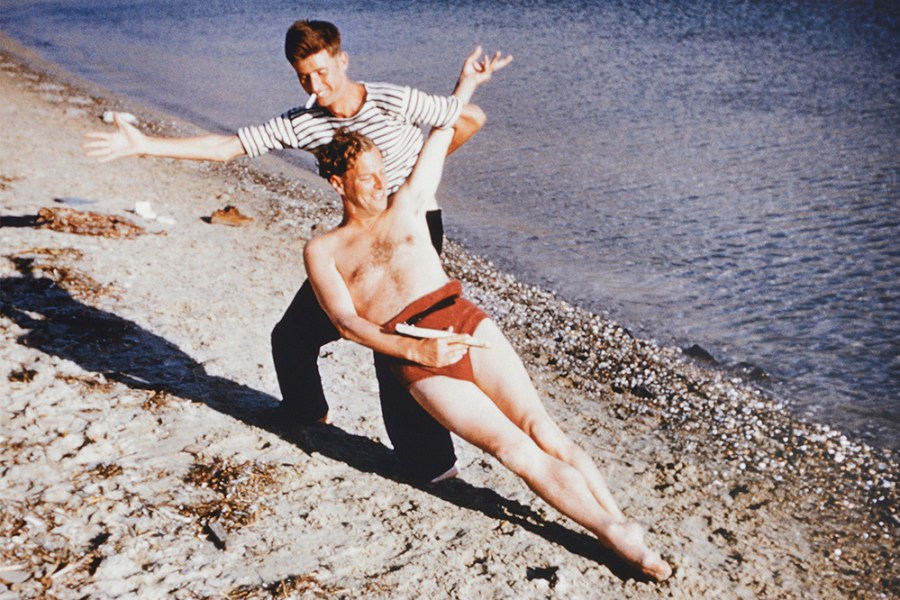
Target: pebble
{"x": 109, "y": 116}
{"x": 729, "y": 417}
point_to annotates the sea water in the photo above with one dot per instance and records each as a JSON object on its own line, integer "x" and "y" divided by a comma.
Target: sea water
{"x": 714, "y": 173}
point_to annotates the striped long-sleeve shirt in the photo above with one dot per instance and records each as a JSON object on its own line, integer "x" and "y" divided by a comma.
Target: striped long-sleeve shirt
{"x": 391, "y": 116}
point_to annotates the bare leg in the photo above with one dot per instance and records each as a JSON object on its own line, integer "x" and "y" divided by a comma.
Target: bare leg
{"x": 499, "y": 372}
{"x": 464, "y": 409}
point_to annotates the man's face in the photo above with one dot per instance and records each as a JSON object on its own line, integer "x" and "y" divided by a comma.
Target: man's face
{"x": 324, "y": 75}
{"x": 365, "y": 183}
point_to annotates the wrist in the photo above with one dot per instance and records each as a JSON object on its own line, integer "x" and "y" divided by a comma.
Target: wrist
{"x": 410, "y": 349}
{"x": 465, "y": 88}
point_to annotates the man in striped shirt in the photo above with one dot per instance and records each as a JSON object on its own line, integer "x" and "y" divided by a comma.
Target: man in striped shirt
{"x": 392, "y": 116}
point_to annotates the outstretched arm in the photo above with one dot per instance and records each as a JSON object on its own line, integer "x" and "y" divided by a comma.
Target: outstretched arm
{"x": 128, "y": 140}
{"x": 335, "y": 299}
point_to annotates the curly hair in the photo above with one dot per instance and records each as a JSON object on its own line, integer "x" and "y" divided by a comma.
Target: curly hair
{"x": 341, "y": 152}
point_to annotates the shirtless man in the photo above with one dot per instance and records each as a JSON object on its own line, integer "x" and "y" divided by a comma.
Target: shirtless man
{"x": 377, "y": 271}
{"x": 391, "y": 115}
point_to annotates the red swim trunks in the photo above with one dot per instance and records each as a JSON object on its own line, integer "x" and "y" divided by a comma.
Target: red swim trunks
{"x": 440, "y": 309}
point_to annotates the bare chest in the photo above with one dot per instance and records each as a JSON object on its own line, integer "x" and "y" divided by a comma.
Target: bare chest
{"x": 378, "y": 266}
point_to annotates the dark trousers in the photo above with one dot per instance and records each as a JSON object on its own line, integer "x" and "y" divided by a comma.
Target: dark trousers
{"x": 422, "y": 444}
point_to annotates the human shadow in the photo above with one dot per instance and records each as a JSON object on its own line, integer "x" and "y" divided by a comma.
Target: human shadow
{"x": 19, "y": 221}
{"x": 58, "y": 324}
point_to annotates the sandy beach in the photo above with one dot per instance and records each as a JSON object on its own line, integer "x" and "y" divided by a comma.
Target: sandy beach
{"x": 136, "y": 367}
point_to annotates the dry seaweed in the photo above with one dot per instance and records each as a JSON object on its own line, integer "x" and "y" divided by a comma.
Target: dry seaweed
{"x": 22, "y": 375}
{"x": 69, "y": 253}
{"x": 5, "y": 180}
{"x": 74, "y": 281}
{"x": 106, "y": 470}
{"x": 94, "y": 383}
{"x": 156, "y": 400}
{"x": 237, "y": 486}
{"x": 288, "y": 587}
{"x": 67, "y": 220}
{"x": 41, "y": 564}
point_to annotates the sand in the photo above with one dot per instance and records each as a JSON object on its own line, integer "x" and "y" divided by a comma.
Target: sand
{"x": 136, "y": 367}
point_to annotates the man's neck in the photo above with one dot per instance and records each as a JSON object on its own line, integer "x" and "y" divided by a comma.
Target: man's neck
{"x": 358, "y": 218}
{"x": 350, "y": 102}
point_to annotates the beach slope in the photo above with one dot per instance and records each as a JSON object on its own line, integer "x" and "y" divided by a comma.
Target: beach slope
{"x": 136, "y": 369}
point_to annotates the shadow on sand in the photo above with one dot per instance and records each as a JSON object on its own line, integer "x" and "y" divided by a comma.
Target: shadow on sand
{"x": 101, "y": 342}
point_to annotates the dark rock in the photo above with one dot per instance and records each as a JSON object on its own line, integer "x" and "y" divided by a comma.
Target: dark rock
{"x": 699, "y": 353}
{"x": 751, "y": 371}
{"x": 548, "y": 573}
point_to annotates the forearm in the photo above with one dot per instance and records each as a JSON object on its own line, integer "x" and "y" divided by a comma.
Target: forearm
{"x": 465, "y": 89}
{"x": 203, "y": 147}
{"x": 470, "y": 121}
{"x": 364, "y": 332}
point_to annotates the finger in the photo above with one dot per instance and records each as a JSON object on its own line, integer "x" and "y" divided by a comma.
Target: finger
{"x": 500, "y": 63}
{"x": 98, "y": 144}
{"x": 474, "y": 342}
{"x": 457, "y": 339}
{"x": 467, "y": 340}
{"x": 477, "y": 343}
{"x": 458, "y": 356}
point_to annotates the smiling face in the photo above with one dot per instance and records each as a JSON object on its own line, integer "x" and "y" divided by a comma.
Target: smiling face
{"x": 364, "y": 184}
{"x": 325, "y": 75}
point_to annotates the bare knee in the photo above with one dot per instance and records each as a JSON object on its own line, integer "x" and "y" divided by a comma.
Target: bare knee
{"x": 519, "y": 456}
{"x": 554, "y": 441}
{"x": 531, "y": 463}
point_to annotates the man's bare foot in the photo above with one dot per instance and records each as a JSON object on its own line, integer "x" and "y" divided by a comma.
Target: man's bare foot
{"x": 627, "y": 540}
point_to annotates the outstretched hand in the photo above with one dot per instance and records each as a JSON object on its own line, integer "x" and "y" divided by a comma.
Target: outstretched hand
{"x": 478, "y": 69}
{"x": 126, "y": 140}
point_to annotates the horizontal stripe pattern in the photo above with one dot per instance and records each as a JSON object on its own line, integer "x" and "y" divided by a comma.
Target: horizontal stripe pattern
{"x": 391, "y": 116}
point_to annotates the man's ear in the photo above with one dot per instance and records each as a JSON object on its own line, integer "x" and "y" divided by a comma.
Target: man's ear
{"x": 337, "y": 183}
{"x": 343, "y": 60}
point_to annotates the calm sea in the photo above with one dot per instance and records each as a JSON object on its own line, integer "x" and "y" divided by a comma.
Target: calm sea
{"x": 713, "y": 173}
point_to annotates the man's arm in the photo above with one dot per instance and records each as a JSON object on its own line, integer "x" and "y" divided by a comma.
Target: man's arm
{"x": 470, "y": 120}
{"x": 423, "y": 182}
{"x": 335, "y": 299}
{"x": 128, "y": 140}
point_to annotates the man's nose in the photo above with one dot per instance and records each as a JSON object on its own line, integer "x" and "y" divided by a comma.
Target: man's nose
{"x": 315, "y": 83}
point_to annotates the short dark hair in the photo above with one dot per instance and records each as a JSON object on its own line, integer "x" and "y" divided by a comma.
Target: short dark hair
{"x": 340, "y": 154}
{"x": 305, "y": 38}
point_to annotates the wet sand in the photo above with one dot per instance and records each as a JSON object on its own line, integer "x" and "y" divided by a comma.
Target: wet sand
{"x": 136, "y": 369}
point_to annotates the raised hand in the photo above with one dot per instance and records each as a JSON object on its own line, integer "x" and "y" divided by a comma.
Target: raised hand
{"x": 478, "y": 69}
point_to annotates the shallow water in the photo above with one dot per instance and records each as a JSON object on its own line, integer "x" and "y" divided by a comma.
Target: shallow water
{"x": 715, "y": 173}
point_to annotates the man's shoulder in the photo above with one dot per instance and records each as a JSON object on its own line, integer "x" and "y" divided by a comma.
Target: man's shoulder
{"x": 389, "y": 95}
{"x": 385, "y": 87}
{"x": 322, "y": 246}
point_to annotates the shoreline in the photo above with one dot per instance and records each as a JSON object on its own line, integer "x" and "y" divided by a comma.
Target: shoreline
{"x": 719, "y": 470}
